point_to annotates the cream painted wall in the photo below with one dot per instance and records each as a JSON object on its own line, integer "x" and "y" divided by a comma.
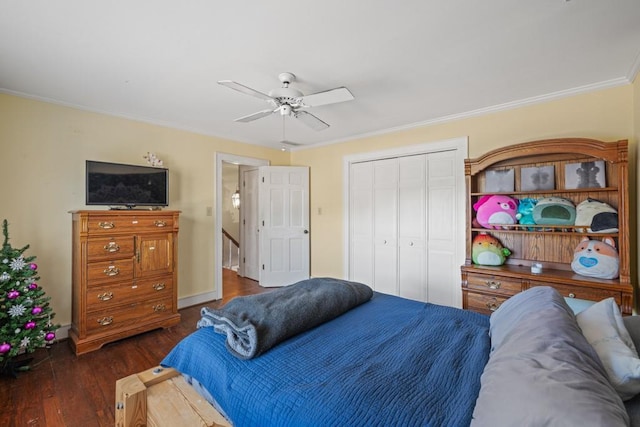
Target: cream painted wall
{"x": 604, "y": 115}
{"x": 44, "y": 147}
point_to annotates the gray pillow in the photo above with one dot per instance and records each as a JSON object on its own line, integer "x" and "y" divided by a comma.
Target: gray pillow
{"x": 510, "y": 313}
{"x": 632, "y": 323}
{"x": 542, "y": 371}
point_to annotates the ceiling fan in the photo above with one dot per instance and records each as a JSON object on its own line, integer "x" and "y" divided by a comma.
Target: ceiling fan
{"x": 291, "y": 102}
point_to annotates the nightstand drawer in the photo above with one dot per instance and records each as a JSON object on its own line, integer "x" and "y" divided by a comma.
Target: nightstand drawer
{"x": 104, "y": 297}
{"x": 494, "y": 284}
{"x": 109, "y": 271}
{"x": 485, "y": 304}
{"x": 129, "y": 315}
{"x": 581, "y": 292}
{"x": 110, "y": 248}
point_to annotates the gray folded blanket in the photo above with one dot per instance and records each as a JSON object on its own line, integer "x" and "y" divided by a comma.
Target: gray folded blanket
{"x": 253, "y": 324}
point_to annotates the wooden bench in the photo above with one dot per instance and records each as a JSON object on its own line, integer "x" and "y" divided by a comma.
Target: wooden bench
{"x": 161, "y": 397}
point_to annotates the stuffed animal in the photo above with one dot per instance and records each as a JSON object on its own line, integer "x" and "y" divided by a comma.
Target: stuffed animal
{"x": 554, "y": 211}
{"x": 596, "y": 216}
{"x": 487, "y": 250}
{"x": 595, "y": 258}
{"x": 525, "y": 211}
{"x": 493, "y": 210}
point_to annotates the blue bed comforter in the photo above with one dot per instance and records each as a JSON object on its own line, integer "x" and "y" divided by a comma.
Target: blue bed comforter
{"x": 389, "y": 361}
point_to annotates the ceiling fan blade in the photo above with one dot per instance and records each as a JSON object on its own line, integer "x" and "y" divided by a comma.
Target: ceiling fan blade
{"x": 331, "y": 96}
{"x": 245, "y": 89}
{"x": 310, "y": 120}
{"x": 291, "y": 143}
{"x": 254, "y": 116}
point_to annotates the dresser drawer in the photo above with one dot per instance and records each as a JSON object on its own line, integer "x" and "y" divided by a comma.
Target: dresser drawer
{"x": 494, "y": 284}
{"x": 109, "y": 271}
{"x": 110, "y": 247}
{"x": 485, "y": 304}
{"x": 128, "y": 316}
{"x": 105, "y": 224}
{"x": 591, "y": 294}
{"x": 104, "y": 297}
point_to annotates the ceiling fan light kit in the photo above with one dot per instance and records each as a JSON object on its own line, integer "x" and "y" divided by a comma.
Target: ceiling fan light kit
{"x": 291, "y": 102}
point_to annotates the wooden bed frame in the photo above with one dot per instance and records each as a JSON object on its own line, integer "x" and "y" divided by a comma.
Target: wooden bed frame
{"x": 161, "y": 397}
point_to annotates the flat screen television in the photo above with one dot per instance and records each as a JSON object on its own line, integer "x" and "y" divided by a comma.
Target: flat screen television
{"x": 115, "y": 184}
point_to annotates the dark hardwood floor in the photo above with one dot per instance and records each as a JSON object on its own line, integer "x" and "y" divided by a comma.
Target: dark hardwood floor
{"x": 67, "y": 390}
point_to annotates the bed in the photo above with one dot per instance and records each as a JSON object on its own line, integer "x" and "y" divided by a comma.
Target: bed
{"x": 393, "y": 361}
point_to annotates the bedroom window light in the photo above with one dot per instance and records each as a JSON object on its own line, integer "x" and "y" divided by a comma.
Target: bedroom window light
{"x": 235, "y": 199}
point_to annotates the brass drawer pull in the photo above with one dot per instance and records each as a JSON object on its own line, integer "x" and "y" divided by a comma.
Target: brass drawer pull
{"x": 572, "y": 295}
{"x": 159, "y": 307}
{"x": 493, "y": 305}
{"x": 105, "y": 321}
{"x": 159, "y": 286}
{"x": 159, "y": 223}
{"x": 106, "y": 225}
{"x": 105, "y": 296}
{"x": 112, "y": 247}
{"x": 111, "y": 271}
{"x": 492, "y": 284}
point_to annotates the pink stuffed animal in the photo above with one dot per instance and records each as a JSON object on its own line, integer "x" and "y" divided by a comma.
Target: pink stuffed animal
{"x": 494, "y": 210}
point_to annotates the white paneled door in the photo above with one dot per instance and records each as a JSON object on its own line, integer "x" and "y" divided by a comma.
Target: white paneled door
{"x": 361, "y": 222}
{"x": 385, "y": 226}
{"x": 249, "y": 250}
{"x": 443, "y": 267}
{"x": 284, "y": 224}
{"x": 402, "y": 226}
{"x": 411, "y": 227}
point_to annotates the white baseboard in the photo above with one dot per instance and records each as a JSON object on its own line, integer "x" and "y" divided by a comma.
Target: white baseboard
{"x": 63, "y": 332}
{"x": 196, "y": 299}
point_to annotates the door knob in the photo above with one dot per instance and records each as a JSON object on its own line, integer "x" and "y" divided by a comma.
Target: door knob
{"x": 306, "y": 231}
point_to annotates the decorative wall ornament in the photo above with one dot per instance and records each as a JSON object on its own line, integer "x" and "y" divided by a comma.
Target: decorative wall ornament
{"x": 153, "y": 160}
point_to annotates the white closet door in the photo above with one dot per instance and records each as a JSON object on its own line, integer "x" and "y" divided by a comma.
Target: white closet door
{"x": 361, "y": 222}
{"x": 412, "y": 228}
{"x": 385, "y": 226}
{"x": 443, "y": 270}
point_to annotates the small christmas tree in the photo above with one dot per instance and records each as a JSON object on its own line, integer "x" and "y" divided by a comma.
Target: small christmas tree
{"x": 25, "y": 314}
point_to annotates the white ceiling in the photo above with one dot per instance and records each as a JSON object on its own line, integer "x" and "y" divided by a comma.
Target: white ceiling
{"x": 406, "y": 62}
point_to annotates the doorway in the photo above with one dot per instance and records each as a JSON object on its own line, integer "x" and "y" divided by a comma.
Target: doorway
{"x": 221, "y": 158}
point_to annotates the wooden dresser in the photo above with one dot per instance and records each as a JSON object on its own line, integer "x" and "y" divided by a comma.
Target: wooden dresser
{"x": 484, "y": 288}
{"x": 124, "y": 275}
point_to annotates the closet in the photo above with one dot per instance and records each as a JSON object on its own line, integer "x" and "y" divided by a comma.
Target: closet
{"x": 402, "y": 228}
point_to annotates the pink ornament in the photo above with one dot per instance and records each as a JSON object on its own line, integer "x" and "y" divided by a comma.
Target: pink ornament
{"x": 13, "y": 294}
{"x": 36, "y": 310}
{"x": 30, "y": 324}
{"x": 4, "y": 348}
{"x": 33, "y": 286}
{"x": 33, "y": 266}
{"x": 49, "y": 336}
